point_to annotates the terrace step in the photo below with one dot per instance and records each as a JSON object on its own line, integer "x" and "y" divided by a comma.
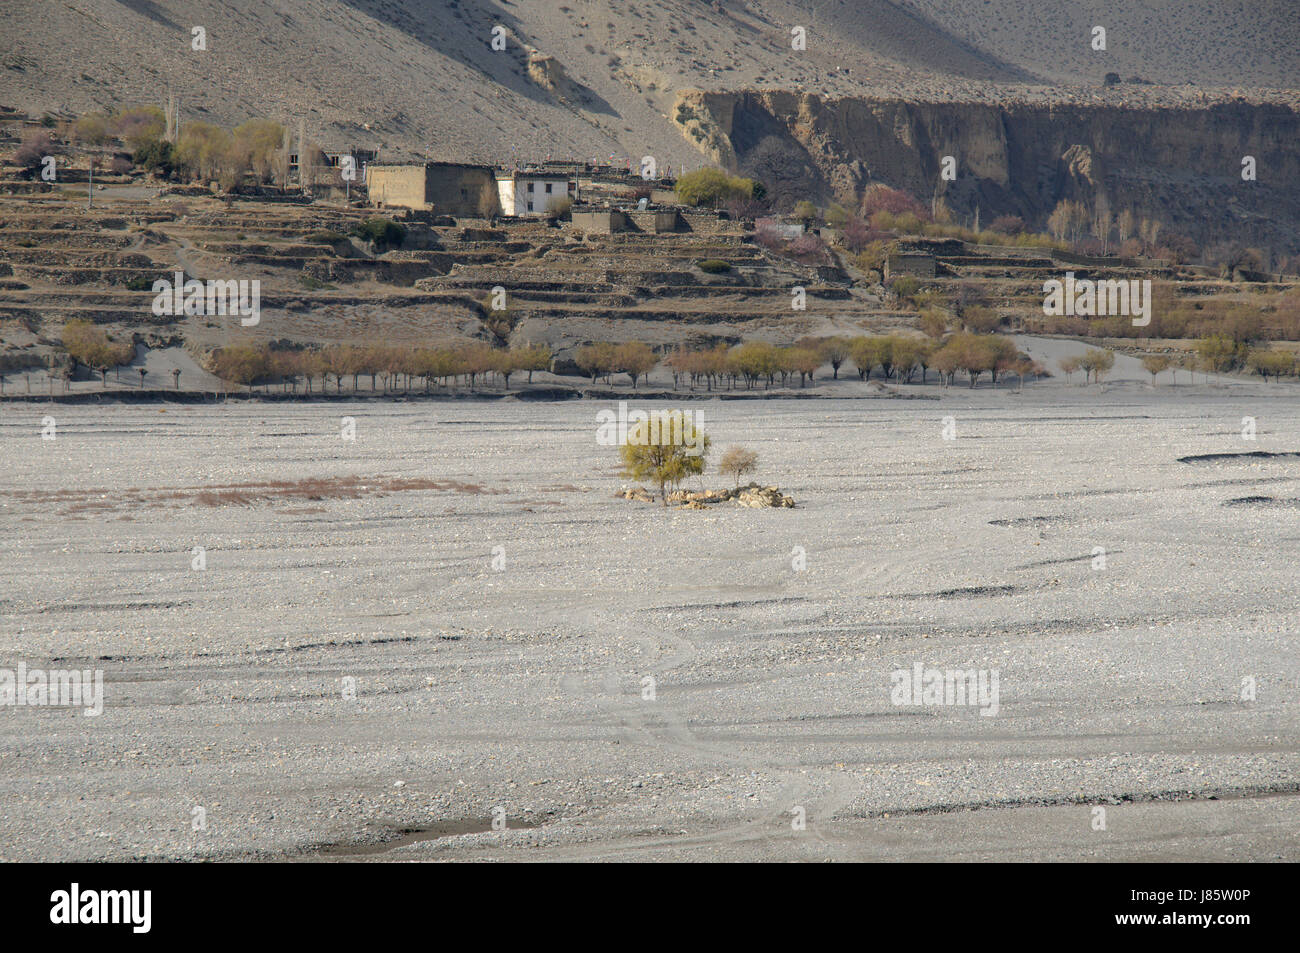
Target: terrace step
{"x": 990, "y": 262}
{"x": 48, "y": 238}
{"x": 515, "y": 285}
{"x": 58, "y": 275}
{"x": 78, "y": 258}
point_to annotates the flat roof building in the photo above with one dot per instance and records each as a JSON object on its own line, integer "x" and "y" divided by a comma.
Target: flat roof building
{"x": 448, "y": 188}
{"x": 533, "y": 193}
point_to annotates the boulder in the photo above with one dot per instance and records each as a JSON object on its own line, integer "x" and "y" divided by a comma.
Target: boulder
{"x": 638, "y": 493}
{"x": 752, "y": 495}
{"x": 755, "y": 496}
{"x": 687, "y": 497}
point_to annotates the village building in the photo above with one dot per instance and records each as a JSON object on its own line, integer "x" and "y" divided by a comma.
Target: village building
{"x": 360, "y": 158}
{"x": 448, "y": 188}
{"x": 599, "y": 221}
{"x": 916, "y": 263}
{"x": 533, "y": 193}
{"x": 606, "y": 220}
{"x": 788, "y": 231}
{"x": 323, "y": 164}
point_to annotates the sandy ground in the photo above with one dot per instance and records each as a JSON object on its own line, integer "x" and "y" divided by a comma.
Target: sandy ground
{"x": 521, "y": 686}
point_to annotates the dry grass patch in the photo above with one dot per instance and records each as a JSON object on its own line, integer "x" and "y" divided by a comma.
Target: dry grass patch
{"x": 314, "y": 489}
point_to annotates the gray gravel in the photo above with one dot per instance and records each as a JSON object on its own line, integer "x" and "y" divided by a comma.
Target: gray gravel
{"x": 521, "y": 688}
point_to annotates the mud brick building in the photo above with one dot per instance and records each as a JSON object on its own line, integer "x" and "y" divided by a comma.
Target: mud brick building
{"x": 448, "y": 188}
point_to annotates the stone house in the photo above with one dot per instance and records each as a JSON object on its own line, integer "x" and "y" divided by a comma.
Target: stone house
{"x": 599, "y": 221}
{"x": 918, "y": 264}
{"x": 447, "y": 188}
{"x": 532, "y": 193}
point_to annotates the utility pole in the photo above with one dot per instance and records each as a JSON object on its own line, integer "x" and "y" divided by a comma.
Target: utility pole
{"x": 302, "y": 152}
{"x": 172, "y": 119}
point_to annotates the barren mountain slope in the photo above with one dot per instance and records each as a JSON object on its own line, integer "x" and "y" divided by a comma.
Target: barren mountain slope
{"x": 594, "y": 77}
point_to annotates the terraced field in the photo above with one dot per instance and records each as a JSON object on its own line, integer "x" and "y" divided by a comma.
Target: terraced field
{"x": 564, "y": 287}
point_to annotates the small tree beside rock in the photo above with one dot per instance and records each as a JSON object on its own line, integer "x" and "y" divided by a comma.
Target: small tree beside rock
{"x": 738, "y": 462}
{"x": 664, "y": 450}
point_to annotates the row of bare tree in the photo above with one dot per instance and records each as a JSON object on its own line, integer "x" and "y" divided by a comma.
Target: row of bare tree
{"x": 395, "y": 367}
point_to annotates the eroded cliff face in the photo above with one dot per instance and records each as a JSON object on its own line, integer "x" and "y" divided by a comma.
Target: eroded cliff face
{"x": 1181, "y": 166}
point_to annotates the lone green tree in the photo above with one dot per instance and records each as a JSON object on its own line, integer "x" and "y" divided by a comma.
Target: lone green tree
{"x": 664, "y": 449}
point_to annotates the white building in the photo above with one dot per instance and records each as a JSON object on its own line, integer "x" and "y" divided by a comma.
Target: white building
{"x": 532, "y": 193}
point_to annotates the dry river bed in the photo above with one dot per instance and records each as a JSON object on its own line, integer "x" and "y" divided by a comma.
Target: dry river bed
{"x": 373, "y": 648}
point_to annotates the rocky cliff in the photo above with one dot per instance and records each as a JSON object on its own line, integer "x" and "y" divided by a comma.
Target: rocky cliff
{"x": 1182, "y": 166}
